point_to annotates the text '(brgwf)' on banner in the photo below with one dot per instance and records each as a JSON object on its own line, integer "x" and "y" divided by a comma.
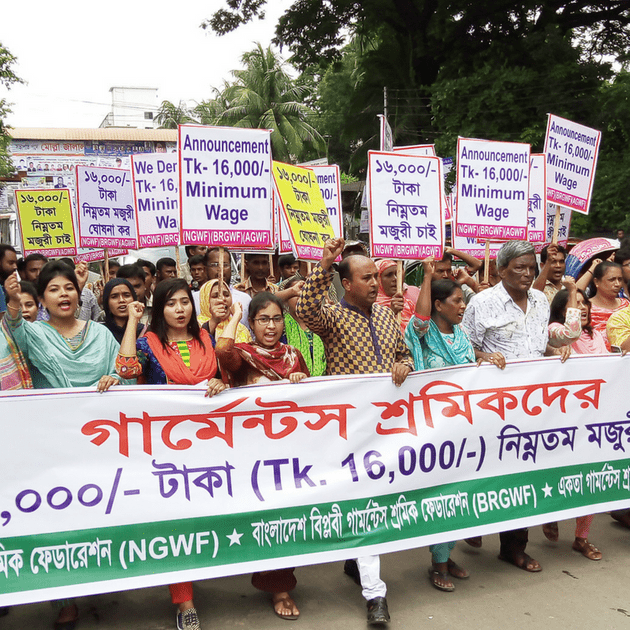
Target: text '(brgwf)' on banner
{"x": 492, "y": 189}
{"x": 225, "y": 187}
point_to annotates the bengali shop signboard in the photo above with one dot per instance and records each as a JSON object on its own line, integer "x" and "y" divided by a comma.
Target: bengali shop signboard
{"x": 105, "y": 208}
{"x": 46, "y": 222}
{"x": 571, "y": 151}
{"x": 165, "y": 485}
{"x": 156, "y": 194}
{"x": 492, "y": 189}
{"x": 406, "y": 205}
{"x": 225, "y": 187}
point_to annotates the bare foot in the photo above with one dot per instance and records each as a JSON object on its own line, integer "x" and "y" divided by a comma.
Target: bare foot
{"x": 67, "y": 614}
{"x": 284, "y": 606}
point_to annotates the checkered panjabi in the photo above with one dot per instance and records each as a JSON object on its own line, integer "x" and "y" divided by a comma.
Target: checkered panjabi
{"x": 354, "y": 342}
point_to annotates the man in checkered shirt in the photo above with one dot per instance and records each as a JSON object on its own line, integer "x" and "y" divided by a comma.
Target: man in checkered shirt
{"x": 360, "y": 337}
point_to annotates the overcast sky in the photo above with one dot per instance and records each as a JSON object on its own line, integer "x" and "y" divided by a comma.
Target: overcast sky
{"x": 72, "y": 52}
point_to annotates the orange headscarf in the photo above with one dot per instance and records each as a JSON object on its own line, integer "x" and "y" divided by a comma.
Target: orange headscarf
{"x": 384, "y": 299}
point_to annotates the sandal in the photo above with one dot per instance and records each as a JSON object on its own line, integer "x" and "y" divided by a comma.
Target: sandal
{"x": 523, "y": 561}
{"x": 587, "y": 549}
{"x": 456, "y": 571}
{"x": 475, "y": 541}
{"x": 622, "y": 516}
{"x": 286, "y": 603}
{"x": 550, "y": 530}
{"x": 446, "y": 584}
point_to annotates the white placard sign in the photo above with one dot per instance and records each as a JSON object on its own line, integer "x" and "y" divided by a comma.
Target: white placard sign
{"x": 225, "y": 187}
{"x": 156, "y": 193}
{"x": 537, "y": 213}
{"x": 492, "y": 189}
{"x": 105, "y": 208}
{"x": 471, "y": 245}
{"x": 571, "y": 151}
{"x": 417, "y": 149}
{"x": 329, "y": 180}
{"x": 387, "y": 137}
{"x": 563, "y": 226}
{"x": 406, "y": 196}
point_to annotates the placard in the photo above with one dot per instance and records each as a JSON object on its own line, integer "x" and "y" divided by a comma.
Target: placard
{"x": 406, "y": 214}
{"x": 282, "y": 229}
{"x": 225, "y": 187}
{"x": 105, "y": 208}
{"x": 571, "y": 151}
{"x": 304, "y": 209}
{"x": 537, "y": 213}
{"x": 387, "y": 136}
{"x": 492, "y": 189}
{"x": 96, "y": 255}
{"x": 329, "y": 180}
{"x": 417, "y": 149}
{"x": 563, "y": 228}
{"x": 46, "y": 222}
{"x": 471, "y": 245}
{"x": 156, "y": 195}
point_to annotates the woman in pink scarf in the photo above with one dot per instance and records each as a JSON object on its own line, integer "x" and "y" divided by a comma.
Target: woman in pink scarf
{"x": 387, "y": 294}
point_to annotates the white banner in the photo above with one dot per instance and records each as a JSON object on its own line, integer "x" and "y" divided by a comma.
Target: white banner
{"x": 537, "y": 213}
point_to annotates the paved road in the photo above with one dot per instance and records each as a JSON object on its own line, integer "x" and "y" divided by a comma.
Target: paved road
{"x": 571, "y": 592}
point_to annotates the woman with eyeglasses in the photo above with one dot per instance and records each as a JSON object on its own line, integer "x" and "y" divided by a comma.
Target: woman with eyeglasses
{"x": 264, "y": 360}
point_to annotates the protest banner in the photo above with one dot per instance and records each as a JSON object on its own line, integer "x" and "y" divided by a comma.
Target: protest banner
{"x": 304, "y": 209}
{"x": 562, "y": 226}
{"x": 282, "y": 229}
{"x": 225, "y": 187}
{"x": 406, "y": 214}
{"x": 165, "y": 485}
{"x": 537, "y": 209}
{"x": 46, "y": 222}
{"x": 492, "y": 189}
{"x": 156, "y": 196}
{"x": 571, "y": 151}
{"x": 105, "y": 208}
{"x": 417, "y": 149}
{"x": 95, "y": 255}
{"x": 329, "y": 180}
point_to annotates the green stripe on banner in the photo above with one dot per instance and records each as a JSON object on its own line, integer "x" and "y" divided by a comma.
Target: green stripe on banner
{"x": 96, "y": 555}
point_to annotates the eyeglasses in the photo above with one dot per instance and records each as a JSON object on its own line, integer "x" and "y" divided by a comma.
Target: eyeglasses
{"x": 214, "y": 265}
{"x": 264, "y": 320}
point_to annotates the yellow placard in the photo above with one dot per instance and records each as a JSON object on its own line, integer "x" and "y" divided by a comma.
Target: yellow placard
{"x": 46, "y": 222}
{"x": 304, "y": 209}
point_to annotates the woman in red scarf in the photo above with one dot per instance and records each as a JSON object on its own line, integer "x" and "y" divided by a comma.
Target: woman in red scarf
{"x": 388, "y": 295}
{"x": 264, "y": 360}
{"x": 175, "y": 350}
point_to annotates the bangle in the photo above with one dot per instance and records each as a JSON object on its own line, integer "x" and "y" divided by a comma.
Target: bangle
{"x": 15, "y": 309}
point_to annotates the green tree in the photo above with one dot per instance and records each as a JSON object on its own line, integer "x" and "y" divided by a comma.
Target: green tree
{"x": 265, "y": 96}
{"x": 170, "y": 116}
{"x": 7, "y": 78}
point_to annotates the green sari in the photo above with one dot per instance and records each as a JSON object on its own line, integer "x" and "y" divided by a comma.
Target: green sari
{"x": 308, "y": 343}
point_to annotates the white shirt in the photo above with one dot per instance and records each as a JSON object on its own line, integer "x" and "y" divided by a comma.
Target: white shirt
{"x": 495, "y": 323}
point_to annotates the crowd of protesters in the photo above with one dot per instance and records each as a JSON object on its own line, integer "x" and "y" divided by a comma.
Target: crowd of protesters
{"x": 60, "y": 327}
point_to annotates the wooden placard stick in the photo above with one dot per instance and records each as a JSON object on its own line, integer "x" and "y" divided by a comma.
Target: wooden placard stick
{"x": 556, "y": 226}
{"x": 221, "y": 251}
{"x": 399, "y": 284}
{"x": 178, "y": 262}
{"x": 243, "y": 278}
{"x": 106, "y": 266}
{"x": 309, "y": 268}
{"x": 486, "y": 263}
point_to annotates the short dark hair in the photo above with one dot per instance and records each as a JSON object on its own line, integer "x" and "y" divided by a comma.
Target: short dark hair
{"x": 286, "y": 259}
{"x": 30, "y": 288}
{"x": 113, "y": 263}
{"x": 32, "y": 257}
{"x": 68, "y": 261}
{"x": 600, "y": 271}
{"x": 188, "y": 248}
{"x": 164, "y": 291}
{"x": 197, "y": 259}
{"x": 52, "y": 270}
{"x": 4, "y": 248}
{"x": 165, "y": 262}
{"x": 345, "y": 268}
{"x": 148, "y": 264}
{"x": 249, "y": 257}
{"x": 446, "y": 257}
{"x": 261, "y": 300}
{"x": 21, "y": 265}
{"x": 543, "y": 253}
{"x": 441, "y": 290}
{"x": 131, "y": 271}
{"x": 622, "y": 254}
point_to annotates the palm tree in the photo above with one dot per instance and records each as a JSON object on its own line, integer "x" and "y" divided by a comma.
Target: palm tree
{"x": 169, "y": 116}
{"x": 264, "y": 96}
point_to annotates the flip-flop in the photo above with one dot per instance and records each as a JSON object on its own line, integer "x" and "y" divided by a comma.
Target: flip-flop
{"x": 525, "y": 559}
{"x": 456, "y": 571}
{"x": 434, "y": 573}
{"x": 285, "y": 604}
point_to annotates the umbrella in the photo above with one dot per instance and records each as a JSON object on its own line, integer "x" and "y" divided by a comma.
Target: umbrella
{"x": 585, "y": 250}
